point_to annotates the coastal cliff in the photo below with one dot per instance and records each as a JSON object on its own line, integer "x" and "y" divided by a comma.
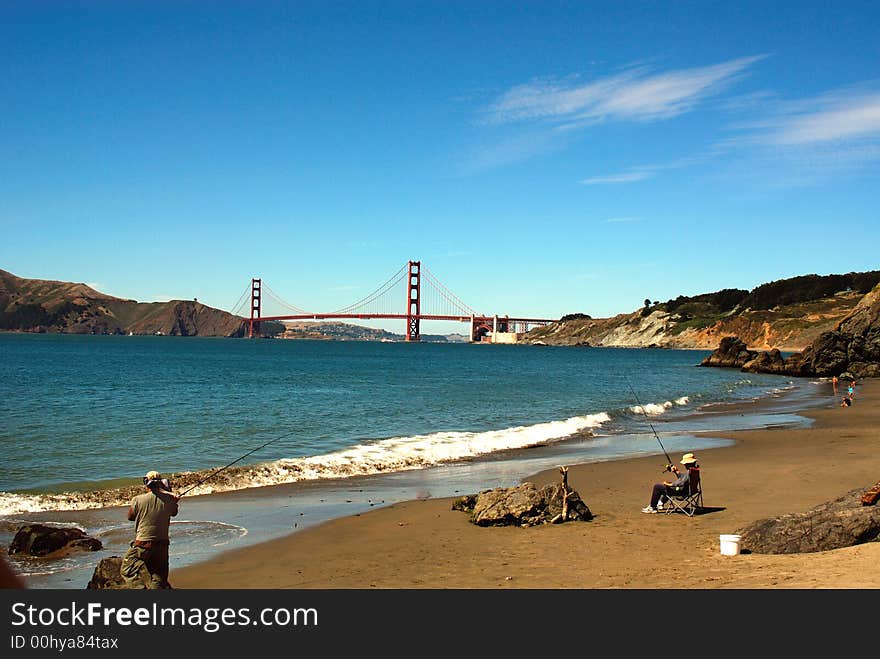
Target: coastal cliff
{"x": 852, "y": 345}
{"x": 787, "y": 315}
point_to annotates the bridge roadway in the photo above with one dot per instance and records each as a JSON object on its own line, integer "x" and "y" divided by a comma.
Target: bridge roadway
{"x": 480, "y": 325}
{"x": 402, "y": 316}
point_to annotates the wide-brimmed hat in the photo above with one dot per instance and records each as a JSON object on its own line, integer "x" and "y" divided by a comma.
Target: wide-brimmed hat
{"x": 688, "y": 458}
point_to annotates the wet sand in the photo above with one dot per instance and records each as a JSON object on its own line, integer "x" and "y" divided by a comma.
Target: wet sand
{"x": 425, "y": 544}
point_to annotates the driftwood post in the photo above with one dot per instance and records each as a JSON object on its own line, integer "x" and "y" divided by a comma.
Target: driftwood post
{"x": 563, "y": 516}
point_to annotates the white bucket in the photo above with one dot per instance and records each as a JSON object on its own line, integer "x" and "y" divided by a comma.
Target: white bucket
{"x": 730, "y": 544}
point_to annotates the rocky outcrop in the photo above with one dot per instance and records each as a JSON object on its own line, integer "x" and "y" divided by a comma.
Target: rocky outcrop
{"x": 768, "y": 361}
{"x": 730, "y": 353}
{"x": 107, "y": 575}
{"x": 42, "y": 540}
{"x": 733, "y": 353}
{"x": 843, "y": 522}
{"x": 854, "y": 346}
{"x": 523, "y": 505}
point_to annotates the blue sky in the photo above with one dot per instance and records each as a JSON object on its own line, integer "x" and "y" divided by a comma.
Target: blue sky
{"x": 539, "y": 158}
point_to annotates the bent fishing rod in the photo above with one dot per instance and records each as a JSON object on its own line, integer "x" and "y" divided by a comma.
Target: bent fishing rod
{"x": 225, "y": 467}
{"x": 642, "y": 407}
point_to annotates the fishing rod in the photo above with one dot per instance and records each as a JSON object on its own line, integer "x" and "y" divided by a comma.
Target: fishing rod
{"x": 642, "y": 407}
{"x": 225, "y": 467}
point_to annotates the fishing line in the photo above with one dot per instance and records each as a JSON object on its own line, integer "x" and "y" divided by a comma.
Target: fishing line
{"x": 217, "y": 471}
{"x": 642, "y": 407}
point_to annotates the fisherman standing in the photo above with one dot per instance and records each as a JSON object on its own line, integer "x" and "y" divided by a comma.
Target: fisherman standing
{"x": 145, "y": 564}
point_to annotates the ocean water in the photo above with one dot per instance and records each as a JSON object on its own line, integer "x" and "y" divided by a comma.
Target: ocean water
{"x": 343, "y": 426}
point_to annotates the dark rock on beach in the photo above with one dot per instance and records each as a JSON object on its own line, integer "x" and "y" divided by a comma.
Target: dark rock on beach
{"x": 523, "y": 505}
{"x": 42, "y": 540}
{"x": 107, "y": 575}
{"x": 843, "y": 522}
{"x": 730, "y": 353}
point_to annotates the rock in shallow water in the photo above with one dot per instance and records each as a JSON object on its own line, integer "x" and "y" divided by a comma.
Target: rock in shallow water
{"x": 42, "y": 540}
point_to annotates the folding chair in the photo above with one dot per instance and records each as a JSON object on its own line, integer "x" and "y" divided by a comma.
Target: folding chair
{"x": 687, "y": 503}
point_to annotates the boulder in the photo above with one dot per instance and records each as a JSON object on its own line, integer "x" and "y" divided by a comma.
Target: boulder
{"x": 766, "y": 362}
{"x": 41, "y": 540}
{"x": 843, "y": 522}
{"x": 107, "y": 575}
{"x": 731, "y": 352}
{"x": 523, "y": 505}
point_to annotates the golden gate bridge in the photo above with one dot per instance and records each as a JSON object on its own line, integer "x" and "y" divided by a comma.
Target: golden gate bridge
{"x": 431, "y": 301}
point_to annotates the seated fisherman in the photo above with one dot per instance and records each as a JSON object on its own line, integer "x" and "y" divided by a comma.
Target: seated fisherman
{"x": 677, "y": 487}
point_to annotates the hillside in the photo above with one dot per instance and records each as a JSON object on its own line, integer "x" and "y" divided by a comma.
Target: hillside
{"x": 788, "y": 314}
{"x": 38, "y": 305}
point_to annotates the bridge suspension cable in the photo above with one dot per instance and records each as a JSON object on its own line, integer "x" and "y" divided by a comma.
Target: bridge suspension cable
{"x": 447, "y": 296}
{"x": 238, "y": 309}
{"x": 360, "y": 305}
{"x": 277, "y": 298}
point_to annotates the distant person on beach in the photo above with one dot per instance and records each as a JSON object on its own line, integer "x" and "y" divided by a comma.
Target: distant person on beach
{"x": 851, "y": 389}
{"x": 145, "y": 564}
{"x": 846, "y": 401}
{"x": 676, "y": 487}
{"x": 834, "y": 383}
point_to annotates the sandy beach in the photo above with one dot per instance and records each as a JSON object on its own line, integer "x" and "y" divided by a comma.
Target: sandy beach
{"x": 425, "y": 544}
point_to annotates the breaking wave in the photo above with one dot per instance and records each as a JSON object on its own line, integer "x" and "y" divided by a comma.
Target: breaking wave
{"x": 382, "y": 456}
{"x": 655, "y": 409}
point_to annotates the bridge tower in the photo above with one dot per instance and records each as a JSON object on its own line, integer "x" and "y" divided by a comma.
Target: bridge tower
{"x": 413, "y": 301}
{"x": 254, "y": 325}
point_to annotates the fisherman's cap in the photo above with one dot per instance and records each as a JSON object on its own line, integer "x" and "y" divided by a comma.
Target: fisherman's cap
{"x": 152, "y": 475}
{"x": 688, "y": 458}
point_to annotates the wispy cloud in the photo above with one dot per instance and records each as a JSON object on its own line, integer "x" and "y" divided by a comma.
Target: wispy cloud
{"x": 834, "y": 117}
{"x": 637, "y": 94}
{"x": 554, "y": 109}
{"x": 747, "y": 102}
{"x": 513, "y": 149}
{"x": 806, "y": 141}
{"x": 642, "y": 172}
{"x": 626, "y": 177}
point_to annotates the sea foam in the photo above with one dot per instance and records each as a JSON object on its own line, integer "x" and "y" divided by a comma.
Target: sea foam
{"x": 381, "y": 456}
{"x": 655, "y": 409}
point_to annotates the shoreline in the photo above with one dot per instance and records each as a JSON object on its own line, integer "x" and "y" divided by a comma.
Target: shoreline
{"x": 425, "y": 544}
